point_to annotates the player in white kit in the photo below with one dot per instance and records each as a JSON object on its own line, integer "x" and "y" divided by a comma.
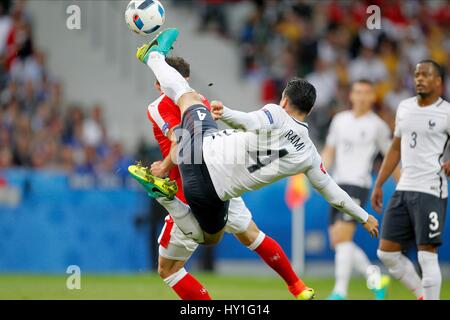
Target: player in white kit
{"x": 416, "y": 211}
{"x": 354, "y": 139}
{"x": 216, "y": 166}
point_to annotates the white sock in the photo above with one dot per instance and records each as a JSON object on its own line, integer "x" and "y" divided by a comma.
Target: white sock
{"x": 258, "y": 241}
{"x": 176, "y": 277}
{"x": 360, "y": 260}
{"x": 172, "y": 82}
{"x": 343, "y": 267}
{"x": 183, "y": 217}
{"x": 431, "y": 275}
{"x": 402, "y": 269}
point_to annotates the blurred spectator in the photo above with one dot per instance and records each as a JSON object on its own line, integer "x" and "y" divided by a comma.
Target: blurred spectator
{"x": 367, "y": 66}
{"x": 5, "y": 157}
{"x": 396, "y": 95}
{"x": 214, "y": 12}
{"x": 5, "y": 25}
{"x": 328, "y": 43}
{"x": 325, "y": 81}
{"x": 36, "y": 130}
{"x": 93, "y": 128}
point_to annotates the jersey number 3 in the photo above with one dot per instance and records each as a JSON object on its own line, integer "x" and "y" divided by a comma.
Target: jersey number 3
{"x": 413, "y": 142}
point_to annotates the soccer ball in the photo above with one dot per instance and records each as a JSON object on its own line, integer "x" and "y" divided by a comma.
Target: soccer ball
{"x": 144, "y": 16}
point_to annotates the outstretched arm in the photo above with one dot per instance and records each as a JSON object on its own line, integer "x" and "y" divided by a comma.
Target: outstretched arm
{"x": 338, "y": 198}
{"x": 390, "y": 163}
{"x": 270, "y": 117}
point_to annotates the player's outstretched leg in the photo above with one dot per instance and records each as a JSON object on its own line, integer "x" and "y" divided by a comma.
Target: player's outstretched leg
{"x": 164, "y": 191}
{"x": 162, "y": 43}
{"x": 185, "y": 285}
{"x": 173, "y": 84}
{"x": 274, "y": 256}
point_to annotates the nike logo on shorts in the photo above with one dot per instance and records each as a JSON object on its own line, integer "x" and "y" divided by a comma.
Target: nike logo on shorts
{"x": 433, "y": 235}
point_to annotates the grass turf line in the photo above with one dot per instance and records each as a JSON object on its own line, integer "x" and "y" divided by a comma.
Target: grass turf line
{"x": 151, "y": 287}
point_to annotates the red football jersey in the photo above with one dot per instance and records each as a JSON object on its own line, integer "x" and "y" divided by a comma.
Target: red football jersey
{"x": 165, "y": 115}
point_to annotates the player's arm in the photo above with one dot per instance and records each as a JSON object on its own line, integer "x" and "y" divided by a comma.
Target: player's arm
{"x": 338, "y": 198}
{"x": 162, "y": 168}
{"x": 390, "y": 163}
{"x": 269, "y": 117}
{"x": 446, "y": 168}
{"x": 446, "y": 165}
{"x": 384, "y": 143}
{"x": 329, "y": 151}
{"x": 396, "y": 174}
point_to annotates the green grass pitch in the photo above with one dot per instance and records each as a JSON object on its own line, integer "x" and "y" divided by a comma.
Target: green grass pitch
{"x": 150, "y": 287}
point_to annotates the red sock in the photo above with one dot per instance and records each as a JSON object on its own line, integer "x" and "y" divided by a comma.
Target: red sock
{"x": 187, "y": 288}
{"x": 272, "y": 253}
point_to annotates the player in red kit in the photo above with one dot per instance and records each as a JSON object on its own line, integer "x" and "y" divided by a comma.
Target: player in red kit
{"x": 175, "y": 248}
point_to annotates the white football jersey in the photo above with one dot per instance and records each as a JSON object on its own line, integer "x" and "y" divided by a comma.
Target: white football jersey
{"x": 424, "y": 133}
{"x": 240, "y": 161}
{"x": 357, "y": 140}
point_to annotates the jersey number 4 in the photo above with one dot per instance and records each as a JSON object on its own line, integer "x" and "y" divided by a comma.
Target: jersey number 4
{"x": 266, "y": 159}
{"x": 201, "y": 115}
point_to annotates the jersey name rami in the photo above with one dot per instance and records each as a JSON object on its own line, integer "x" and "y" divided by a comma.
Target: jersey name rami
{"x": 240, "y": 161}
{"x": 424, "y": 133}
{"x": 295, "y": 140}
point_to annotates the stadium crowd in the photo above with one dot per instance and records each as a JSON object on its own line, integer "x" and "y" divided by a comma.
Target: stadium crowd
{"x": 325, "y": 41}
{"x": 329, "y": 43}
{"x": 38, "y": 129}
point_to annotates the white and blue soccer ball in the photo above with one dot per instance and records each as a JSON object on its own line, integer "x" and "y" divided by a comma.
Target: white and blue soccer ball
{"x": 145, "y": 16}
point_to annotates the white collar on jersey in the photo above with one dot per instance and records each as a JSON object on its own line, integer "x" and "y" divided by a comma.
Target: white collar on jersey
{"x": 301, "y": 123}
{"x": 437, "y": 103}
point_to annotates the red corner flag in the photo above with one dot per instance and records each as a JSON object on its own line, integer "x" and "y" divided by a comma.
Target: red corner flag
{"x": 297, "y": 191}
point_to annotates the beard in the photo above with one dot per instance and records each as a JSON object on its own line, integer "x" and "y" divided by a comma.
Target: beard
{"x": 423, "y": 95}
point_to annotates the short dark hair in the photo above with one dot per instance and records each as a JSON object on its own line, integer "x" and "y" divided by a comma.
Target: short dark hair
{"x": 180, "y": 65}
{"x": 437, "y": 67}
{"x": 364, "y": 81}
{"x": 301, "y": 94}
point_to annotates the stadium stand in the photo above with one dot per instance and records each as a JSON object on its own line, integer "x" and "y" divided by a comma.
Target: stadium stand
{"x": 38, "y": 127}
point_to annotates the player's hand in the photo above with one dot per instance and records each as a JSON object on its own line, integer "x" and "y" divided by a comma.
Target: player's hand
{"x": 158, "y": 169}
{"x": 446, "y": 168}
{"x": 371, "y": 225}
{"x": 377, "y": 199}
{"x": 217, "y": 110}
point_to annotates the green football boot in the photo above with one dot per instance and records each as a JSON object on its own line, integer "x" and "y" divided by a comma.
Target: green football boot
{"x": 162, "y": 43}
{"x": 155, "y": 187}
